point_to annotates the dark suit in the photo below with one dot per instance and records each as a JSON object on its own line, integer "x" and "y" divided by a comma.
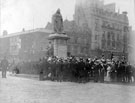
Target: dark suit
{"x": 4, "y": 65}
{"x": 96, "y": 72}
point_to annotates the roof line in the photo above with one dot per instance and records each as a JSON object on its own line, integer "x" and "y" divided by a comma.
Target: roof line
{"x": 28, "y": 31}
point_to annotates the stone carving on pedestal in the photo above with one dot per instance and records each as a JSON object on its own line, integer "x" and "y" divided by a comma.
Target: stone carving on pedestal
{"x": 58, "y": 37}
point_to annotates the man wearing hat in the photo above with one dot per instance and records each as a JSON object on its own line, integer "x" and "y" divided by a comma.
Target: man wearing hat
{"x": 4, "y": 65}
{"x": 96, "y": 71}
{"x": 102, "y": 70}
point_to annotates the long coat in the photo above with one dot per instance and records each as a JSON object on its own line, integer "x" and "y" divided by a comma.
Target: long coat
{"x": 4, "y": 64}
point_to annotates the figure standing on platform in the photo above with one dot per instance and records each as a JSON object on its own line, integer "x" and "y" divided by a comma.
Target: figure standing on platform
{"x": 57, "y": 22}
{"x": 4, "y": 66}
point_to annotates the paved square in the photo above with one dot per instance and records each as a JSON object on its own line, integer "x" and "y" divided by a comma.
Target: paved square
{"x": 22, "y": 90}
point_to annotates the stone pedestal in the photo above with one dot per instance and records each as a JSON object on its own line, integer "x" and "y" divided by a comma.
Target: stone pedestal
{"x": 59, "y": 44}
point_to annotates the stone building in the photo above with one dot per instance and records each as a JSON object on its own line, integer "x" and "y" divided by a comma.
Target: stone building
{"x": 109, "y": 29}
{"x": 97, "y": 29}
{"x": 131, "y": 48}
{"x": 29, "y": 45}
{"x": 80, "y": 38}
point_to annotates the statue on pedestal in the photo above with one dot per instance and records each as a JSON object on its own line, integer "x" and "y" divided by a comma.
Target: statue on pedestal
{"x": 57, "y": 22}
{"x": 58, "y": 37}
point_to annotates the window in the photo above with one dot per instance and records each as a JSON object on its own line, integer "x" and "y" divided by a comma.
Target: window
{"x": 96, "y": 37}
{"x": 113, "y": 25}
{"x": 87, "y": 50}
{"x": 109, "y": 43}
{"x": 113, "y": 36}
{"x": 71, "y": 39}
{"x": 109, "y": 36}
{"x": 103, "y": 36}
{"x": 97, "y": 24}
{"x": 108, "y": 25}
{"x": 81, "y": 49}
{"x": 125, "y": 28}
{"x": 82, "y": 41}
{"x": 79, "y": 40}
{"x": 118, "y": 37}
{"x": 118, "y": 45}
{"x": 118, "y": 26}
{"x": 84, "y": 51}
{"x": 85, "y": 41}
{"x": 72, "y": 48}
{"x": 113, "y": 44}
{"x": 103, "y": 44}
{"x": 104, "y": 23}
{"x": 75, "y": 50}
{"x": 76, "y": 40}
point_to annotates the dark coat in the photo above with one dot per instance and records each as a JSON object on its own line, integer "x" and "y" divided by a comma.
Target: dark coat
{"x": 4, "y": 64}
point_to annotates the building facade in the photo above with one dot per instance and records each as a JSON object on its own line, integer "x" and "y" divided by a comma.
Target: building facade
{"x": 24, "y": 46}
{"x": 109, "y": 29}
{"x": 131, "y": 48}
{"x": 96, "y": 29}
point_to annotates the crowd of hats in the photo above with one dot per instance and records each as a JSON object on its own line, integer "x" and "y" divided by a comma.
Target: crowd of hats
{"x": 80, "y": 69}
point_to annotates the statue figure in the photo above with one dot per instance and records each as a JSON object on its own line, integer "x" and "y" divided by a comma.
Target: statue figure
{"x": 57, "y": 22}
{"x": 50, "y": 49}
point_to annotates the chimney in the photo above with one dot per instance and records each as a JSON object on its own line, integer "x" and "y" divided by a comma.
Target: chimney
{"x": 23, "y": 30}
{"x": 5, "y": 33}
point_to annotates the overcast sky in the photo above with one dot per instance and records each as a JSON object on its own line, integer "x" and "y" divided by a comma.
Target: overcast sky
{"x": 28, "y": 14}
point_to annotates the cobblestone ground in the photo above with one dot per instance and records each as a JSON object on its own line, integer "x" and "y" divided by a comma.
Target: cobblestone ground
{"x": 22, "y": 90}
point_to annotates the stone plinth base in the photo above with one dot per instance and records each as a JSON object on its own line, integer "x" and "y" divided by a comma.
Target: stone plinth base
{"x": 59, "y": 44}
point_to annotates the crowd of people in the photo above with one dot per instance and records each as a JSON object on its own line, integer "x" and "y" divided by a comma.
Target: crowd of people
{"x": 83, "y": 70}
